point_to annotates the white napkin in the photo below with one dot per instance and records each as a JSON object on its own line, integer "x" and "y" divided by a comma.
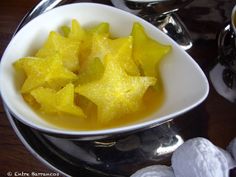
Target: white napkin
{"x": 197, "y": 157}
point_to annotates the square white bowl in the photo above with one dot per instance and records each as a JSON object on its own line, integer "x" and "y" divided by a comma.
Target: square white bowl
{"x": 185, "y": 84}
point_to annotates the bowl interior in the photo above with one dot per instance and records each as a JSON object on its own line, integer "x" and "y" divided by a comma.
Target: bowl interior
{"x": 184, "y": 82}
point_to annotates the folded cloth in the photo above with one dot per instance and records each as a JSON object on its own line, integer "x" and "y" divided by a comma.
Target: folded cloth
{"x": 155, "y": 171}
{"x": 232, "y": 148}
{"x": 229, "y": 158}
{"x": 198, "y": 157}
{"x": 194, "y": 158}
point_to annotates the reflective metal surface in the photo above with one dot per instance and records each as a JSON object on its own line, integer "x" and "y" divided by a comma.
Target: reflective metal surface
{"x": 116, "y": 156}
{"x": 223, "y": 74}
{"x": 124, "y": 154}
{"x": 157, "y": 7}
{"x": 227, "y": 48}
{"x": 160, "y": 14}
{"x": 172, "y": 25}
{"x": 42, "y": 7}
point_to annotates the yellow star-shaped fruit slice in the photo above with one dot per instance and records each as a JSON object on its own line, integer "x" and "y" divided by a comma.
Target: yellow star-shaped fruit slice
{"x": 65, "y": 30}
{"x": 146, "y": 51}
{"x": 48, "y": 72}
{"x": 76, "y": 32}
{"x": 68, "y": 50}
{"x": 93, "y": 71}
{"x": 116, "y": 93}
{"x": 84, "y": 37}
{"x": 102, "y": 28}
{"x": 120, "y": 49}
{"x": 58, "y": 102}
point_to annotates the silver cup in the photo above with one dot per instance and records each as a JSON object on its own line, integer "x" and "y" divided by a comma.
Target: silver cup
{"x": 233, "y": 21}
{"x": 223, "y": 75}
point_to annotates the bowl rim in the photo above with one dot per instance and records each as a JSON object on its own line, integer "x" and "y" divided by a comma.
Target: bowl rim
{"x": 110, "y": 131}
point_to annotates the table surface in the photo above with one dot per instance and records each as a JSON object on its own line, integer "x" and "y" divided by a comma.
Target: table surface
{"x": 221, "y": 114}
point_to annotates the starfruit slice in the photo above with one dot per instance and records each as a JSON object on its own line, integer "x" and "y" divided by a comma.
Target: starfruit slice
{"x": 93, "y": 71}
{"x": 120, "y": 49}
{"x": 68, "y": 50}
{"x": 65, "y": 30}
{"x": 102, "y": 29}
{"x": 116, "y": 93}
{"x": 58, "y": 102}
{"x": 48, "y": 72}
{"x": 146, "y": 51}
{"x": 85, "y": 37}
{"x": 77, "y": 32}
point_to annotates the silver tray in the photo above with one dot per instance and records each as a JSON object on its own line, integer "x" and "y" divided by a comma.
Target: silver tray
{"x": 120, "y": 156}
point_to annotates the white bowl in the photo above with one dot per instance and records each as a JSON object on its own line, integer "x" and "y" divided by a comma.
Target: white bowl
{"x": 185, "y": 84}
